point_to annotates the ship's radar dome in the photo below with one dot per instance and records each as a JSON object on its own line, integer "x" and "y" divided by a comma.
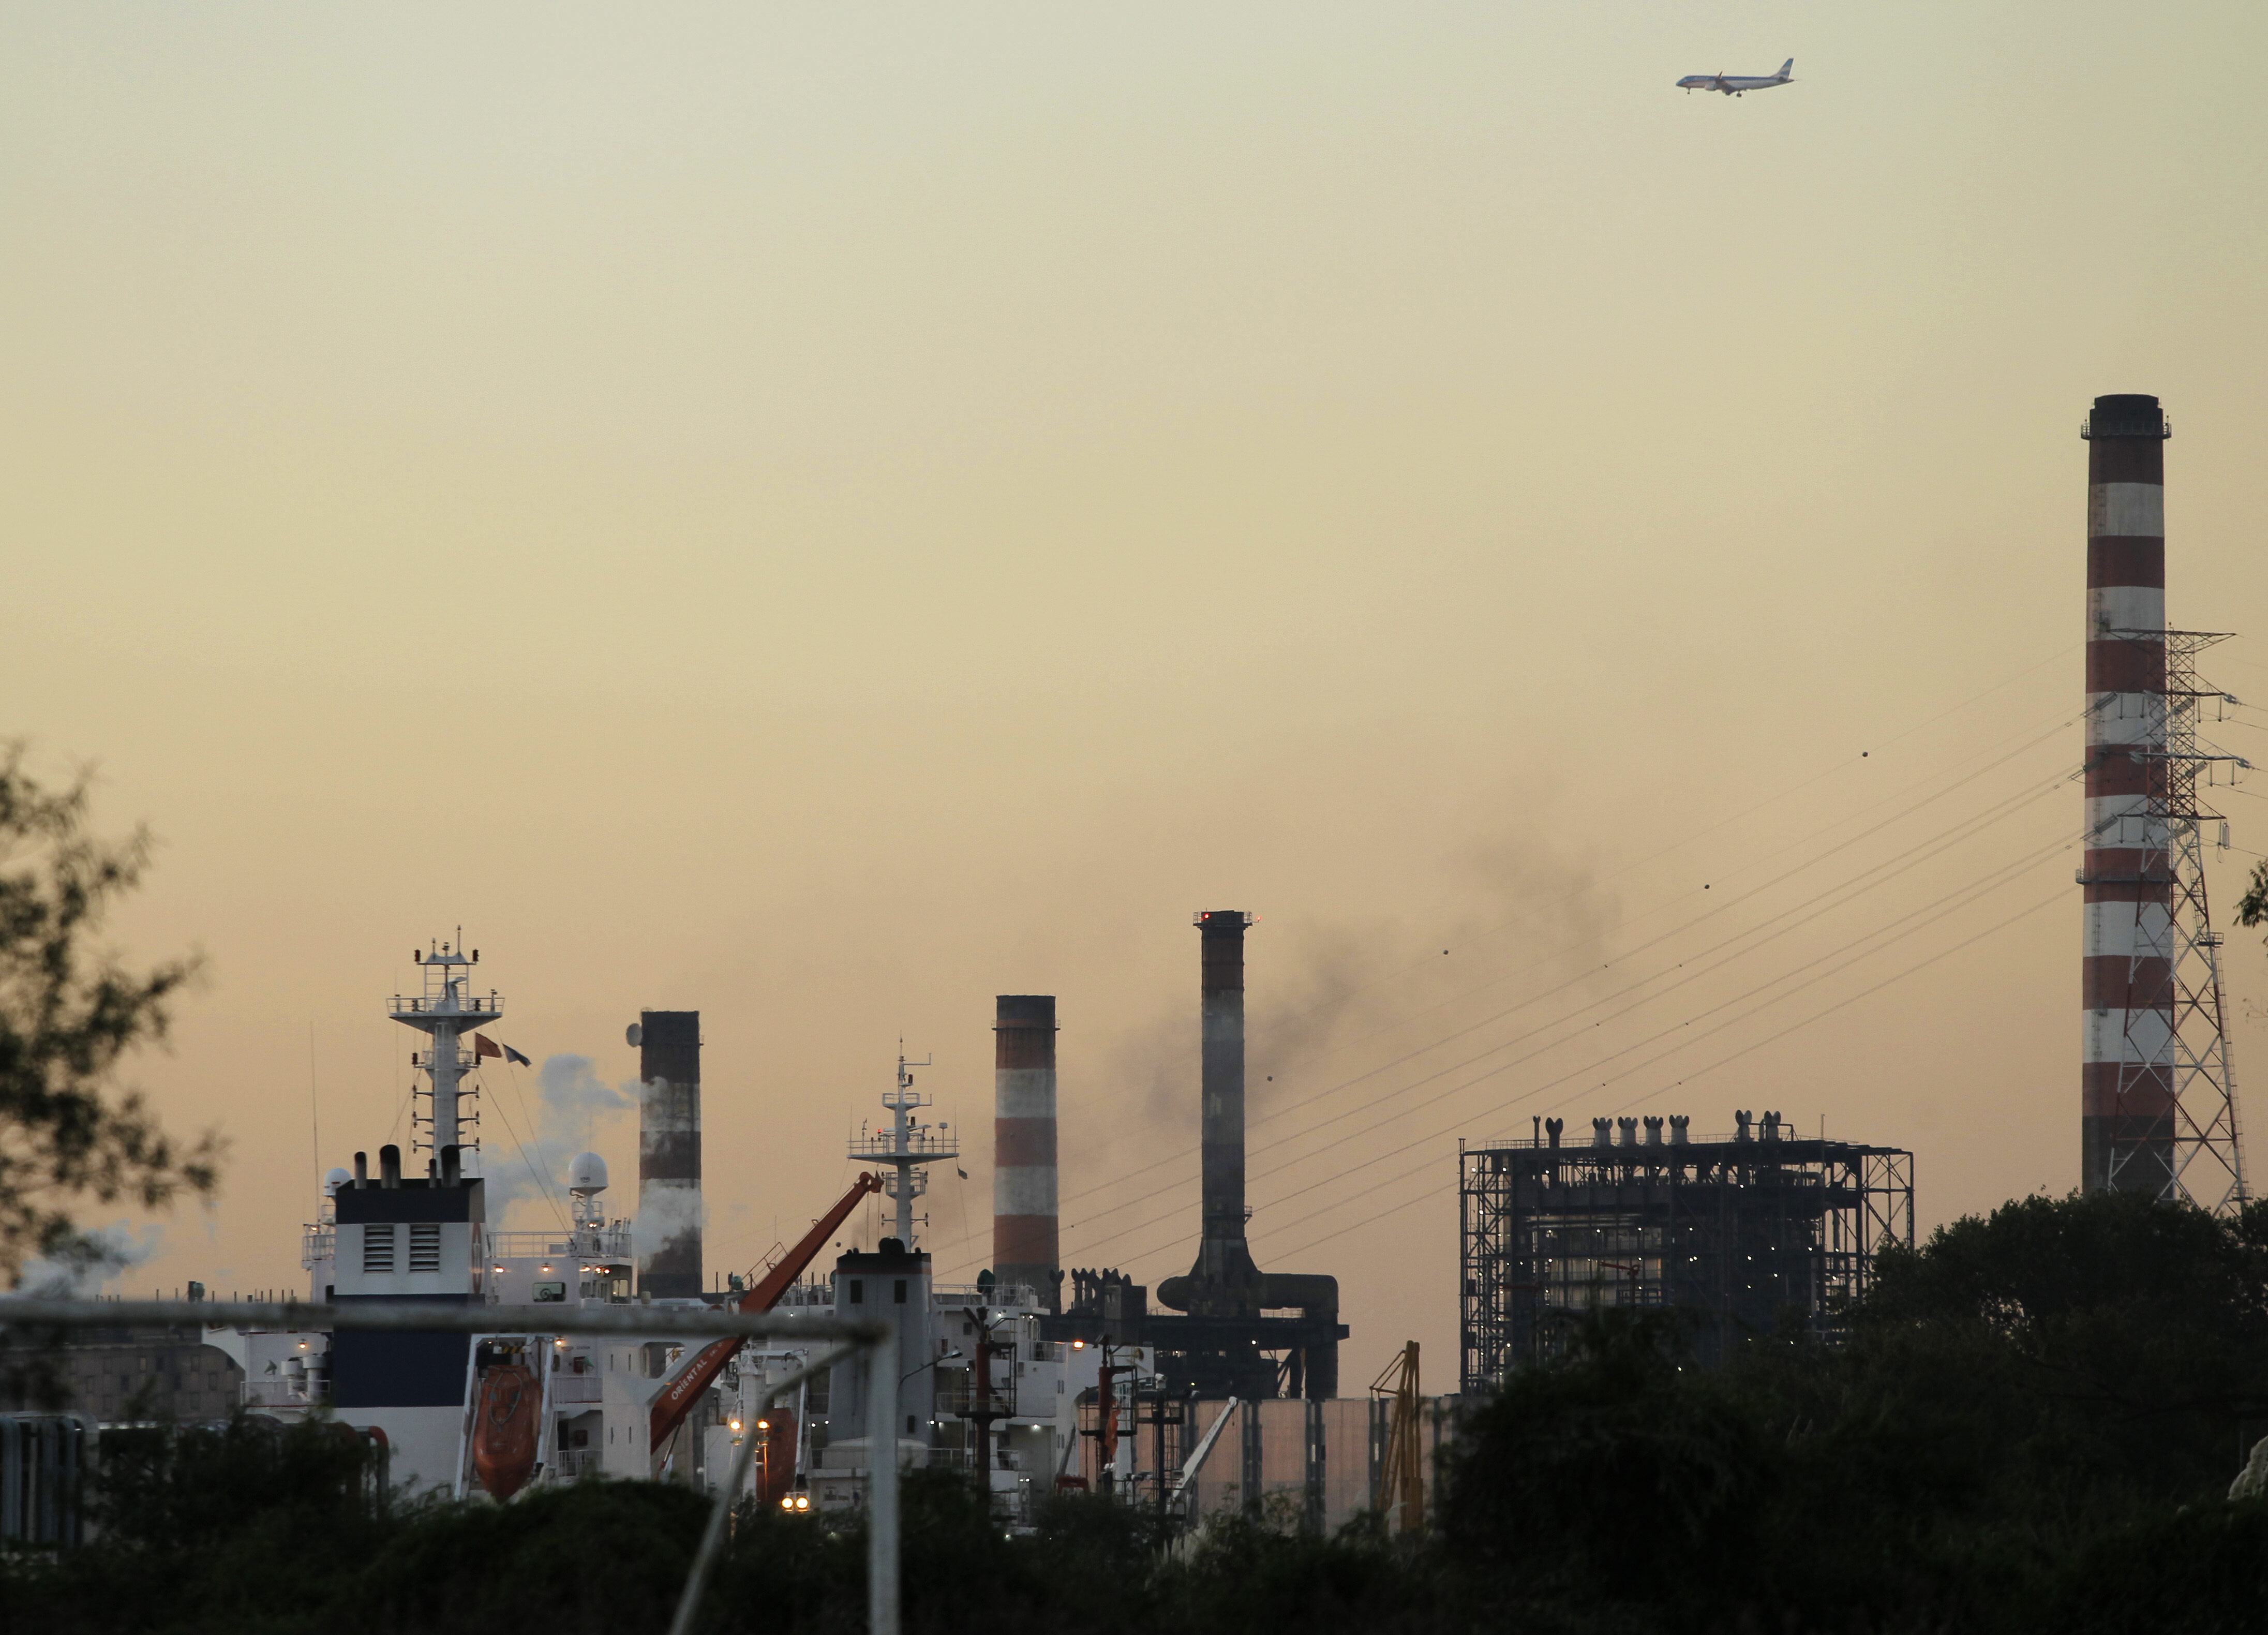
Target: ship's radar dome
{"x": 587, "y": 1174}
{"x": 335, "y": 1179}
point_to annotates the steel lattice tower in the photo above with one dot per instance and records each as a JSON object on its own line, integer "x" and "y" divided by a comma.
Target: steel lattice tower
{"x": 2208, "y": 1155}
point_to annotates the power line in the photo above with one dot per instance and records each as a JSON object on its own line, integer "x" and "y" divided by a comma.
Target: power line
{"x": 1773, "y": 799}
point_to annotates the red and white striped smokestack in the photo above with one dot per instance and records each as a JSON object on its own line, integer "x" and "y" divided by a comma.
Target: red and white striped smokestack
{"x": 2126, "y": 1076}
{"x": 1024, "y": 1229}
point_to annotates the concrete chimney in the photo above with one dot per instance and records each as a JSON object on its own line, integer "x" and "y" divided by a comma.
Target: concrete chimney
{"x": 1024, "y": 1226}
{"x": 1224, "y": 1269}
{"x": 2126, "y": 1092}
{"x": 669, "y": 1154}
{"x": 1224, "y": 1284}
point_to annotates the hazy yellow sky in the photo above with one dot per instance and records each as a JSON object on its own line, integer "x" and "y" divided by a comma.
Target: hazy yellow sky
{"x": 824, "y": 515}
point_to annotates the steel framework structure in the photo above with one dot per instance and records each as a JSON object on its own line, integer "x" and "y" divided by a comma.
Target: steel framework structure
{"x": 2193, "y": 1151}
{"x": 1746, "y": 1235}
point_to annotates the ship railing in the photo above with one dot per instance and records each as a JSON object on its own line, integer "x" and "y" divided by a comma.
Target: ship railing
{"x": 317, "y": 1245}
{"x": 999, "y": 1296}
{"x": 484, "y": 1006}
{"x": 588, "y": 1243}
{"x": 916, "y": 1146}
{"x": 971, "y": 1459}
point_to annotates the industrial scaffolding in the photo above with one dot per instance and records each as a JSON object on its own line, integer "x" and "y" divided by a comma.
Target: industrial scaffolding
{"x": 1756, "y": 1233}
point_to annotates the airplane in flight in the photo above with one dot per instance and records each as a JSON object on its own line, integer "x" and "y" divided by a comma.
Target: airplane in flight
{"x": 1735, "y": 85}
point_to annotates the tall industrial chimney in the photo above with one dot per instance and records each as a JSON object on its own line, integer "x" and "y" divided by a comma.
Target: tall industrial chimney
{"x": 669, "y": 1154}
{"x": 1223, "y": 1292}
{"x": 1024, "y": 1234}
{"x": 2126, "y": 1122}
{"x": 1224, "y": 1266}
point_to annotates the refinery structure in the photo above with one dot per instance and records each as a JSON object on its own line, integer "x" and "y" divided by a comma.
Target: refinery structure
{"x": 1746, "y": 1235}
{"x": 1221, "y": 1388}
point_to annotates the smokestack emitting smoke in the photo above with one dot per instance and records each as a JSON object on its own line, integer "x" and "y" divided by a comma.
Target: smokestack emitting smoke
{"x": 1024, "y": 1227}
{"x": 2127, "y": 968}
{"x": 1224, "y": 1282}
{"x": 669, "y": 1154}
{"x": 1223, "y": 1260}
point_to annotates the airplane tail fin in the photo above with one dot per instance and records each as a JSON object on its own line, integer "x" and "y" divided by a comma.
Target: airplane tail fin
{"x": 1787, "y": 70}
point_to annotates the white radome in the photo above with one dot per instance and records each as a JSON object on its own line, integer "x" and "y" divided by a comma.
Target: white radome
{"x": 334, "y": 1179}
{"x": 587, "y": 1174}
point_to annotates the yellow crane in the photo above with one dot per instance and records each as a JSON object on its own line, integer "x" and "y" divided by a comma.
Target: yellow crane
{"x": 1400, "y": 1497}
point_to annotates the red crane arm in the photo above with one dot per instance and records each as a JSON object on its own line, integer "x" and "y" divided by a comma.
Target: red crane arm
{"x": 678, "y": 1396}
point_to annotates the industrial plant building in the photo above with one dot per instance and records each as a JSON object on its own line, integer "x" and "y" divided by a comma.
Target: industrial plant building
{"x": 1755, "y": 1232}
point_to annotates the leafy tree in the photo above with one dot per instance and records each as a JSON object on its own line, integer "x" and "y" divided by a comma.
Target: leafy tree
{"x": 588, "y": 1559}
{"x": 68, "y": 1013}
{"x": 1612, "y": 1477}
{"x": 2252, "y": 907}
{"x": 2020, "y": 1397}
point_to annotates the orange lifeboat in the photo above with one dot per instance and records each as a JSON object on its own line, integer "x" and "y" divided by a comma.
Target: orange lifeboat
{"x": 504, "y": 1427}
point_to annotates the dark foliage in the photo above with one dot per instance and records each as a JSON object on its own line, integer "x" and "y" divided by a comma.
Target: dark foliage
{"x": 1608, "y": 1473}
{"x": 2021, "y": 1402}
{"x": 1246, "y": 1575}
{"x": 2032, "y": 1427}
{"x": 2252, "y": 907}
{"x": 587, "y": 1559}
{"x": 209, "y": 1528}
{"x": 69, "y": 1015}
{"x": 2198, "y": 1571}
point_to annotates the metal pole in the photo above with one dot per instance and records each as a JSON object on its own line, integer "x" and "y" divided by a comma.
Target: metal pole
{"x": 712, "y": 1538}
{"x": 882, "y": 1484}
{"x": 650, "y": 1322}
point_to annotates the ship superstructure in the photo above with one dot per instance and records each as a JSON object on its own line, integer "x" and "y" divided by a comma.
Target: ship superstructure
{"x": 980, "y": 1388}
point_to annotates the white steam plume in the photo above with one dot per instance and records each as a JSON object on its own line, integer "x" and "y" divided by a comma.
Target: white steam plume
{"x": 573, "y": 1106}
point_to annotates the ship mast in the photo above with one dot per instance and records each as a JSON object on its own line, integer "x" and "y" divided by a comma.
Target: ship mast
{"x": 445, "y": 1010}
{"x": 907, "y": 1146}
